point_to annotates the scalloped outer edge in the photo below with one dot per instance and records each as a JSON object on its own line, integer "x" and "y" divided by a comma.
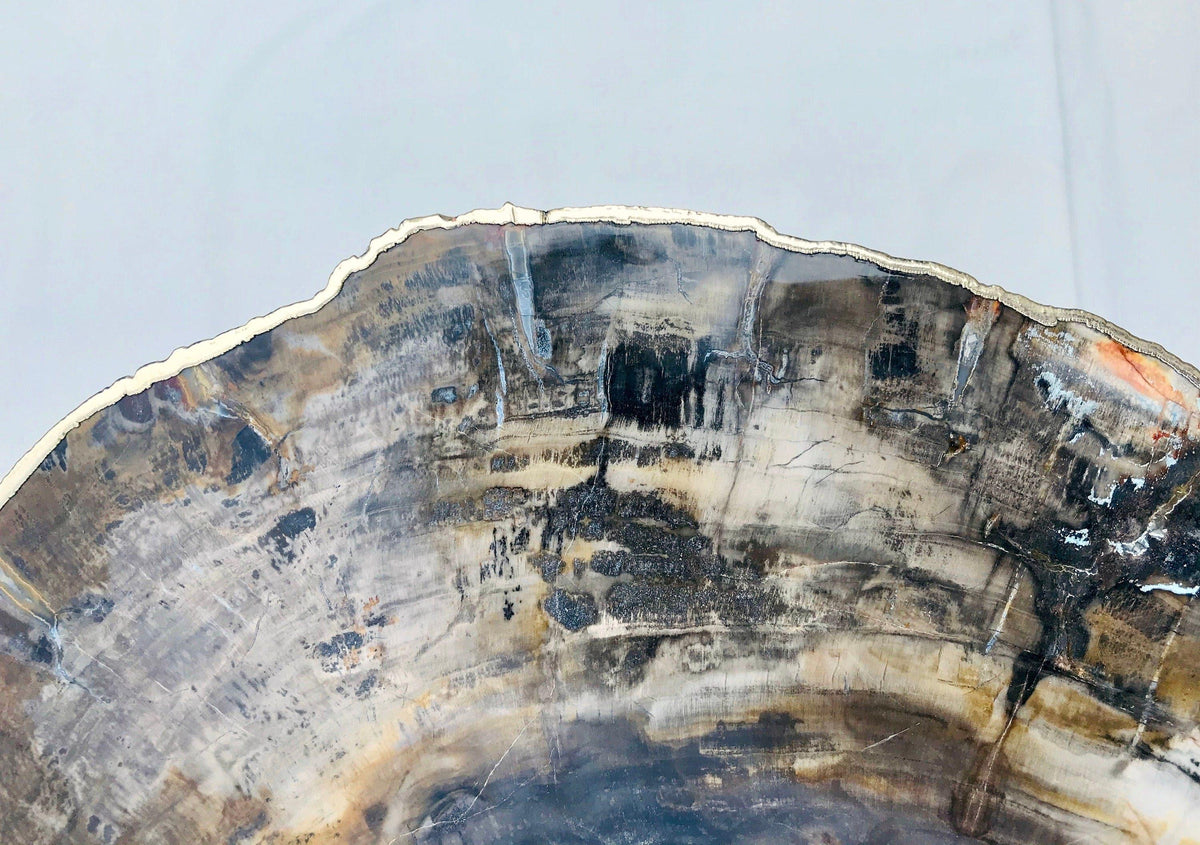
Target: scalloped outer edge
{"x": 205, "y": 350}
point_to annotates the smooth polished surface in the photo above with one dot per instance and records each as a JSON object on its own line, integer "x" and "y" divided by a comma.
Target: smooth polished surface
{"x": 602, "y": 532}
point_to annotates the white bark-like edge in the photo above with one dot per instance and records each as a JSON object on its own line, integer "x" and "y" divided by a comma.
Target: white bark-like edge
{"x": 205, "y": 350}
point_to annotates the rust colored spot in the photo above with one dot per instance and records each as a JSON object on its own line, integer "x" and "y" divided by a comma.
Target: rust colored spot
{"x": 985, "y": 310}
{"x": 174, "y": 390}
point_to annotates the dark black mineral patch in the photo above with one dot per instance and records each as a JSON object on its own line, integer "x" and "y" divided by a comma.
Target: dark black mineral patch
{"x": 574, "y": 611}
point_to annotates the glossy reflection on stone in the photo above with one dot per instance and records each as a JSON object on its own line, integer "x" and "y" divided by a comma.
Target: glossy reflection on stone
{"x": 587, "y": 532}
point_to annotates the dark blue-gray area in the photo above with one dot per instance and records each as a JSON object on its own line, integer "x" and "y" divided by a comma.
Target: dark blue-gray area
{"x": 339, "y": 644}
{"x": 248, "y": 358}
{"x": 136, "y": 408}
{"x": 607, "y": 784}
{"x": 331, "y": 651}
{"x": 250, "y": 451}
{"x": 444, "y": 395}
{"x": 295, "y": 523}
{"x": 280, "y": 540}
{"x": 57, "y": 459}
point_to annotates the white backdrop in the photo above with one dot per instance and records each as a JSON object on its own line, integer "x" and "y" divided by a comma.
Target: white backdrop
{"x": 168, "y": 171}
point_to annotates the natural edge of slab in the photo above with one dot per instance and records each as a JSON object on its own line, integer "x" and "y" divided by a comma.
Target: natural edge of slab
{"x": 205, "y": 350}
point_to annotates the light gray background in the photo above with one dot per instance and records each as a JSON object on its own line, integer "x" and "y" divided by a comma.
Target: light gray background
{"x": 168, "y": 171}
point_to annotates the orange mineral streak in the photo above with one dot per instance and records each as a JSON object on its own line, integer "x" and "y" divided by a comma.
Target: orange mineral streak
{"x": 1142, "y": 373}
{"x": 980, "y": 309}
{"x": 180, "y": 385}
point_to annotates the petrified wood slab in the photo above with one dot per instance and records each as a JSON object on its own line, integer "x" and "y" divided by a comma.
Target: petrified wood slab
{"x": 614, "y": 525}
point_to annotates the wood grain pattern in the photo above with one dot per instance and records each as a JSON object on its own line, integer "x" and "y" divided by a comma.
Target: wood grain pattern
{"x": 594, "y": 532}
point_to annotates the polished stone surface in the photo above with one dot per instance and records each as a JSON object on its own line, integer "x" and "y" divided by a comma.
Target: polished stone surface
{"x": 590, "y": 532}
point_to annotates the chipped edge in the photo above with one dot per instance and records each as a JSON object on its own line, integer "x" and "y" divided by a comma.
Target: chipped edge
{"x": 205, "y": 350}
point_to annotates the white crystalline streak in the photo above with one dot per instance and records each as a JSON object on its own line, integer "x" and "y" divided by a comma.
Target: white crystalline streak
{"x": 601, "y": 389}
{"x": 1137, "y": 547}
{"x": 502, "y": 391}
{"x": 522, "y": 281}
{"x": 1078, "y": 538}
{"x": 1177, "y": 589}
{"x": 1057, "y": 394}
